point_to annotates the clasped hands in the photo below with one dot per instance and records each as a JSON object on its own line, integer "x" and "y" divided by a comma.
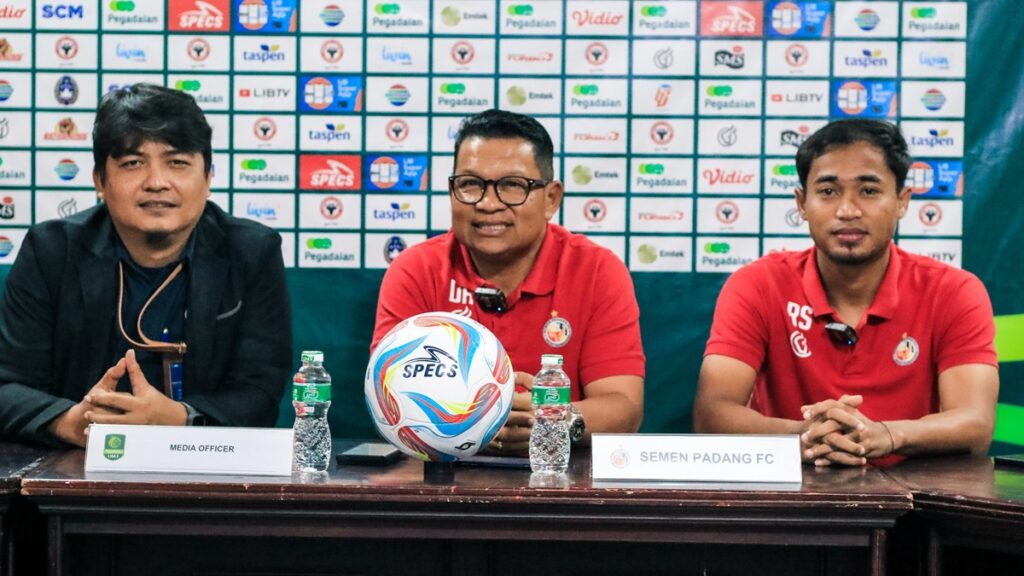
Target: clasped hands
{"x": 104, "y": 405}
{"x": 837, "y": 432}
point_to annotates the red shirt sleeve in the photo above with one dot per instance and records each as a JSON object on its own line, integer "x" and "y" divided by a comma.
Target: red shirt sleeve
{"x": 612, "y": 345}
{"x": 740, "y": 329}
{"x": 969, "y": 332}
{"x": 401, "y": 294}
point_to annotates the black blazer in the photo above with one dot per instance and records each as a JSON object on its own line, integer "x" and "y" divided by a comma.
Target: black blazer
{"x": 59, "y": 313}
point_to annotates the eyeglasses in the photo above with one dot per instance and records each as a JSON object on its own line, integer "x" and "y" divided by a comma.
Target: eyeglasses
{"x": 511, "y": 190}
{"x": 842, "y": 334}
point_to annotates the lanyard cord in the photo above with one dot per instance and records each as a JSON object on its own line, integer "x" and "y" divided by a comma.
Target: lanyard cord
{"x": 147, "y": 343}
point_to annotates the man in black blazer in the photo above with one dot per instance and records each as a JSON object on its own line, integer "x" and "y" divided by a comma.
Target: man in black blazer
{"x": 154, "y": 307}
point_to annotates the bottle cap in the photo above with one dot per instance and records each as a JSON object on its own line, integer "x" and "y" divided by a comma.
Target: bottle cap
{"x": 312, "y": 356}
{"x": 551, "y": 359}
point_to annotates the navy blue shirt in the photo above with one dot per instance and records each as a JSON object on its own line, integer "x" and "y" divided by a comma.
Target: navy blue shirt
{"x": 164, "y": 319}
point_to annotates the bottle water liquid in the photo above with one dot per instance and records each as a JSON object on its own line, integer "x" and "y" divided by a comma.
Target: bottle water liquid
{"x": 549, "y": 439}
{"x": 311, "y": 397}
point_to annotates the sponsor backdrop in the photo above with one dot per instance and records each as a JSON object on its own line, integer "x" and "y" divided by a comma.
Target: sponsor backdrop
{"x": 675, "y": 124}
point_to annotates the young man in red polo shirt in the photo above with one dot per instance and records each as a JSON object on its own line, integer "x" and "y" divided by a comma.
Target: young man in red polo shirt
{"x": 539, "y": 288}
{"x": 863, "y": 349}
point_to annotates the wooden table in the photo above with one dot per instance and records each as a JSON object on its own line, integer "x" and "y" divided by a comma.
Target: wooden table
{"x": 15, "y": 460}
{"x": 388, "y": 520}
{"x": 967, "y": 505}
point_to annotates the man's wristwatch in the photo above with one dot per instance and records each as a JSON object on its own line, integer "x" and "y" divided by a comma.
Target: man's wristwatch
{"x": 194, "y": 417}
{"x": 577, "y": 427}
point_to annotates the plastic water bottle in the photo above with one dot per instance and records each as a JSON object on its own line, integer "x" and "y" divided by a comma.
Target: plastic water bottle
{"x": 549, "y": 439}
{"x": 311, "y": 397}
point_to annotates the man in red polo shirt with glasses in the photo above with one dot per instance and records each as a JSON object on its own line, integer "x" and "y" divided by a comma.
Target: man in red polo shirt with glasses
{"x": 539, "y": 288}
{"x": 863, "y": 349}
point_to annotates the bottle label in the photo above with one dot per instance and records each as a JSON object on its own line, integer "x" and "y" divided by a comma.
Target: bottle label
{"x": 543, "y": 395}
{"x": 304, "y": 392}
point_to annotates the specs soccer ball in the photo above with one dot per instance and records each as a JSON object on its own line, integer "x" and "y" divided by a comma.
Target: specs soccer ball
{"x": 439, "y": 386}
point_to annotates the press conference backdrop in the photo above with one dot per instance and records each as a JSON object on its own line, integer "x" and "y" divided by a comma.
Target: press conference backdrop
{"x": 674, "y": 123}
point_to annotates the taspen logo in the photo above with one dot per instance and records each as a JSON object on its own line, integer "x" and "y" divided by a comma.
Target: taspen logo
{"x": 867, "y": 59}
{"x": 331, "y": 132}
{"x": 395, "y": 211}
{"x": 265, "y": 53}
{"x": 198, "y": 15}
{"x": 935, "y": 138}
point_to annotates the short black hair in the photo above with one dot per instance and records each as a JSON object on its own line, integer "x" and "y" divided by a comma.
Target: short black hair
{"x": 139, "y": 113}
{"x": 501, "y": 124}
{"x": 882, "y": 135}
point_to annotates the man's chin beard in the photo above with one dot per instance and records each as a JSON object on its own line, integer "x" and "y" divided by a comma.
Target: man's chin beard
{"x": 845, "y": 258}
{"x": 157, "y": 240}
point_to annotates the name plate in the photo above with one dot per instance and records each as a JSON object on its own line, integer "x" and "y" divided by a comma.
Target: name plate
{"x": 697, "y": 457}
{"x": 189, "y": 450}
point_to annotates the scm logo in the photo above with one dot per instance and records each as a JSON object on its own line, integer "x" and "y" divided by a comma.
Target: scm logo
{"x": 63, "y": 11}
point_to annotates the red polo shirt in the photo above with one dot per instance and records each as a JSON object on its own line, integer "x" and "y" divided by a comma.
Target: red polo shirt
{"x": 577, "y": 301}
{"x": 927, "y": 317}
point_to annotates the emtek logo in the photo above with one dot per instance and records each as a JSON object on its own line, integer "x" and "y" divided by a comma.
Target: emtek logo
{"x": 520, "y": 10}
{"x": 63, "y": 11}
{"x": 387, "y": 9}
{"x": 723, "y": 91}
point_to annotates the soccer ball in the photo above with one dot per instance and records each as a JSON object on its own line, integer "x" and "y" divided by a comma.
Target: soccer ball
{"x": 439, "y": 386}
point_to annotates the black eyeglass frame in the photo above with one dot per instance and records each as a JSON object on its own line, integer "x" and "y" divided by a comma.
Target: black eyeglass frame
{"x": 531, "y": 185}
